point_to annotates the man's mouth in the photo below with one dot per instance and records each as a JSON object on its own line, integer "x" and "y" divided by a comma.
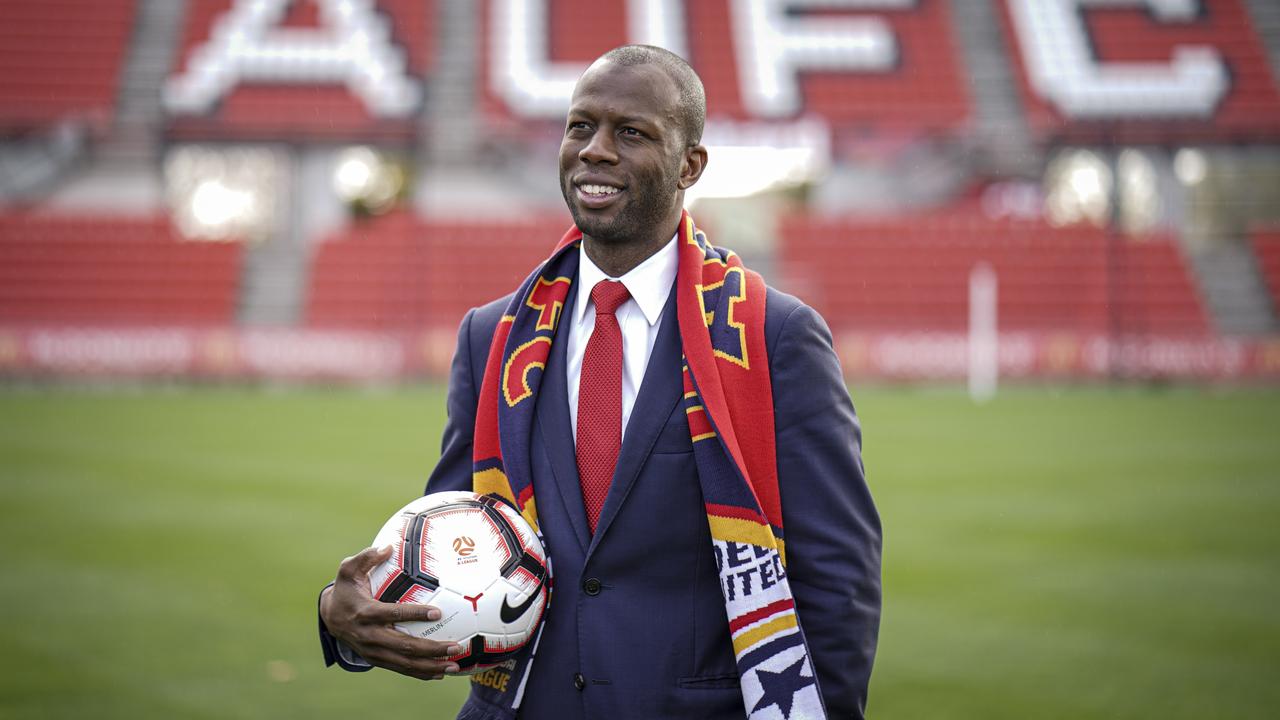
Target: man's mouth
{"x": 597, "y": 195}
{"x": 598, "y": 190}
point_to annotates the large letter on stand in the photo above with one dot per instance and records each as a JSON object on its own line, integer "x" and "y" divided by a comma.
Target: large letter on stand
{"x": 1061, "y": 67}
{"x": 772, "y": 48}
{"x": 520, "y": 67}
{"x": 354, "y": 48}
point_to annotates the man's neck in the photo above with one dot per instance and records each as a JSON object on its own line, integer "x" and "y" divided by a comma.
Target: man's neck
{"x": 618, "y": 258}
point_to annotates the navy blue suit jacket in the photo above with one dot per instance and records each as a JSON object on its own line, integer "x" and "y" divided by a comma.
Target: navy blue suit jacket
{"x": 637, "y": 625}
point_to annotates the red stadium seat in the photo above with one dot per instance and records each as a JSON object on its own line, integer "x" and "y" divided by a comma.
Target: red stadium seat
{"x": 912, "y": 274}
{"x": 61, "y": 59}
{"x": 104, "y": 270}
{"x": 401, "y": 272}
{"x": 1266, "y": 245}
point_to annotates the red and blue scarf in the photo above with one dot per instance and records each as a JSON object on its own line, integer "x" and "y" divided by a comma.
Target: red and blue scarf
{"x": 728, "y": 398}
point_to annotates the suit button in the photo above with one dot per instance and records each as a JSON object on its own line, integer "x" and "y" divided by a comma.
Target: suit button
{"x": 579, "y": 682}
{"x": 591, "y": 586}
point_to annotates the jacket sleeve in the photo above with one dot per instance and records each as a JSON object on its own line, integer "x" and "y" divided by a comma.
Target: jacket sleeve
{"x": 452, "y": 472}
{"x": 832, "y": 530}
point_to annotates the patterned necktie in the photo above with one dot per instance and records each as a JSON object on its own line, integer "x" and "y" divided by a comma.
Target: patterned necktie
{"x": 600, "y": 399}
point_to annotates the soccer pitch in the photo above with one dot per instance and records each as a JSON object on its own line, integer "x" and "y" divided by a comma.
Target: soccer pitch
{"x": 1057, "y": 553}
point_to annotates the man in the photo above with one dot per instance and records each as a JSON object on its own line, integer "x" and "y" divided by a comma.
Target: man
{"x": 682, "y": 417}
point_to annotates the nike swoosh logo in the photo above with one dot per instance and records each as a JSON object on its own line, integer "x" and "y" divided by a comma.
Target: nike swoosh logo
{"x": 510, "y": 614}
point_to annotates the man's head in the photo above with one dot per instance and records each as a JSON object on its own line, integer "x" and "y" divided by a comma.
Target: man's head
{"x": 693, "y": 97}
{"x": 631, "y": 146}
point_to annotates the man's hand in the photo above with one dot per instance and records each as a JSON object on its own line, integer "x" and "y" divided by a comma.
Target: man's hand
{"x": 367, "y": 625}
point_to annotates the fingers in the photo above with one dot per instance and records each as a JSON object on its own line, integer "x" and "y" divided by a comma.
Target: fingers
{"x": 421, "y": 668}
{"x": 388, "y": 613}
{"x": 416, "y": 657}
{"x": 430, "y": 669}
{"x": 413, "y": 647}
{"x": 362, "y": 562}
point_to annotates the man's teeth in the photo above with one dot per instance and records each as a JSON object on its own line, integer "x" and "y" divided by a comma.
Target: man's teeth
{"x": 599, "y": 189}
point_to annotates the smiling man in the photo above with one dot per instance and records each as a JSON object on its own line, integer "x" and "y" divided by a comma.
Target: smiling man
{"x": 688, "y": 452}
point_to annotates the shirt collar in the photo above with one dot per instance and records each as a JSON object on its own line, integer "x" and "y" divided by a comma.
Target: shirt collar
{"x": 649, "y": 282}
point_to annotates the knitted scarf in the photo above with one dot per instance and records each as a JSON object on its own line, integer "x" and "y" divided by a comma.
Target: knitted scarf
{"x": 728, "y": 398}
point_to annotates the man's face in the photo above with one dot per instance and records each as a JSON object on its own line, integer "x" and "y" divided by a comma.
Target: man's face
{"x": 622, "y": 153}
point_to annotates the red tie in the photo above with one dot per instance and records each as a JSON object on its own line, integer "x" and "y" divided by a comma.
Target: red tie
{"x": 600, "y": 399}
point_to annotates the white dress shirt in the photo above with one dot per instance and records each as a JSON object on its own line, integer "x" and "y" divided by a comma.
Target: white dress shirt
{"x": 639, "y": 318}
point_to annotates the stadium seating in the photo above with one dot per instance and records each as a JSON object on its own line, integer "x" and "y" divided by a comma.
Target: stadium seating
{"x": 912, "y": 274}
{"x": 924, "y": 90}
{"x": 61, "y": 59}
{"x": 1266, "y": 245}
{"x": 104, "y": 270}
{"x": 402, "y": 272}
{"x": 257, "y": 108}
{"x": 1153, "y": 291}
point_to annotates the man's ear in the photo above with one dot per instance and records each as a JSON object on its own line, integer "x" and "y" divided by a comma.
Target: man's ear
{"x": 695, "y": 161}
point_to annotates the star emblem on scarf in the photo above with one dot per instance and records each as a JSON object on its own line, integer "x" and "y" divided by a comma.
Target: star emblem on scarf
{"x": 780, "y": 688}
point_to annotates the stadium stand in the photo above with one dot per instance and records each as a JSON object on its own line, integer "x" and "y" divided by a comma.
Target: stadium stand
{"x": 41, "y": 82}
{"x": 1154, "y": 292}
{"x": 1266, "y": 245}
{"x": 402, "y": 272}
{"x": 885, "y": 231}
{"x": 912, "y": 274}
{"x": 104, "y": 270}
{"x": 1133, "y": 34}
{"x": 923, "y": 92}
{"x": 254, "y": 109}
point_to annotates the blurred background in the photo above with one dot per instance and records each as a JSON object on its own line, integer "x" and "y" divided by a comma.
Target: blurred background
{"x": 237, "y": 236}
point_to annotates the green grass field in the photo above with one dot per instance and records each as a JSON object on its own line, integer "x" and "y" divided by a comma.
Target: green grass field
{"x": 1058, "y": 553}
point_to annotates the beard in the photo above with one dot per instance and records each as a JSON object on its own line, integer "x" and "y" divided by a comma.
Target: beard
{"x": 646, "y": 207}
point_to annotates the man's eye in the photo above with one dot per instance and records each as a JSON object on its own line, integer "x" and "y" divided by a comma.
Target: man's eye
{"x": 577, "y": 126}
{"x": 630, "y": 131}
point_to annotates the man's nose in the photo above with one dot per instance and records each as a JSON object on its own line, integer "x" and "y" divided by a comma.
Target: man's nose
{"x": 600, "y": 149}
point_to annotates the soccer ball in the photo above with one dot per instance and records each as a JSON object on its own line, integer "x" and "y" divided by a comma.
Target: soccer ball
{"x": 477, "y": 560}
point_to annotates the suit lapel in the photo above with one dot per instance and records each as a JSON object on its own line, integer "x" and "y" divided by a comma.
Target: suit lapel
{"x": 555, "y": 429}
{"x": 659, "y": 392}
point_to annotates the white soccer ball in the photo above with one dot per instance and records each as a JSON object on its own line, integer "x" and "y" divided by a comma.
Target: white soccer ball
{"x": 477, "y": 560}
